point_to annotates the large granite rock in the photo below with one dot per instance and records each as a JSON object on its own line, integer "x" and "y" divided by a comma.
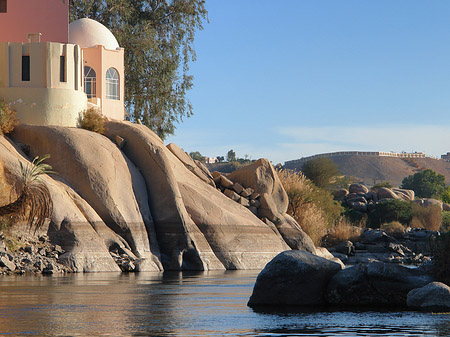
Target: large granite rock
{"x": 104, "y": 178}
{"x": 404, "y": 194}
{"x": 386, "y": 193}
{"x": 263, "y": 179}
{"x": 358, "y": 188}
{"x": 293, "y": 278}
{"x": 195, "y": 167}
{"x": 74, "y": 224}
{"x": 435, "y": 296}
{"x": 197, "y": 226}
{"x": 377, "y": 283}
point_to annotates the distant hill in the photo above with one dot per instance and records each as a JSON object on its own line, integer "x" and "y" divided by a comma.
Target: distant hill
{"x": 371, "y": 169}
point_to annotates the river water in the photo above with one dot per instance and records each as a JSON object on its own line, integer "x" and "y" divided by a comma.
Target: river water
{"x": 180, "y": 304}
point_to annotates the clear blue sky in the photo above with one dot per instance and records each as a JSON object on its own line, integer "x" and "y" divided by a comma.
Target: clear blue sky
{"x": 291, "y": 78}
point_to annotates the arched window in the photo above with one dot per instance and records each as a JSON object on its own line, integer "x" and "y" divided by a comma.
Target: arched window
{"x": 90, "y": 82}
{"x": 112, "y": 84}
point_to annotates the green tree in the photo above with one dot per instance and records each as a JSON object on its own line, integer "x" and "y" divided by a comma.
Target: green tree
{"x": 231, "y": 156}
{"x": 425, "y": 184}
{"x": 320, "y": 171}
{"x": 196, "y": 156}
{"x": 445, "y": 195}
{"x": 158, "y": 37}
{"x": 220, "y": 159}
{"x": 389, "y": 210}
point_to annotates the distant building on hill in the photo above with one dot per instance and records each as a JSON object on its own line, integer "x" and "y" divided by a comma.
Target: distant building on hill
{"x": 51, "y": 71}
{"x": 446, "y": 157}
{"x": 359, "y": 153}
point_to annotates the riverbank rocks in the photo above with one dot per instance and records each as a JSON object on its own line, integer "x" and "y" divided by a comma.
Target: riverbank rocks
{"x": 258, "y": 187}
{"x": 411, "y": 247}
{"x": 376, "y": 283}
{"x": 126, "y": 202}
{"x": 293, "y": 278}
{"x": 95, "y": 167}
{"x": 363, "y": 200}
{"x": 435, "y": 296}
{"x": 197, "y": 226}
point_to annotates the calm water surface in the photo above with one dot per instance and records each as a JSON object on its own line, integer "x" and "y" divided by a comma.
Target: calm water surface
{"x": 179, "y": 304}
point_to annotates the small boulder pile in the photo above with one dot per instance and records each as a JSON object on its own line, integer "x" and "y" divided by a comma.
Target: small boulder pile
{"x": 361, "y": 199}
{"x": 28, "y": 256}
{"x": 411, "y": 247}
{"x": 235, "y": 191}
{"x": 302, "y": 279}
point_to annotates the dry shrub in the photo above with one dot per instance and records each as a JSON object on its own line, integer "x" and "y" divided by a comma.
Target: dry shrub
{"x": 429, "y": 217}
{"x": 393, "y": 228}
{"x": 34, "y": 203}
{"x": 343, "y": 230}
{"x": 313, "y": 222}
{"x": 312, "y": 208}
{"x": 93, "y": 120}
{"x": 8, "y": 120}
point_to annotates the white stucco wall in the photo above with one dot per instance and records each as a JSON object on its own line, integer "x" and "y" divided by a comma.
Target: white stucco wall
{"x": 44, "y": 100}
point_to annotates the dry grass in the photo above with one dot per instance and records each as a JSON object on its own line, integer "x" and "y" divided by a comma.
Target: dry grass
{"x": 393, "y": 228}
{"x": 312, "y": 208}
{"x": 343, "y": 230}
{"x": 93, "y": 120}
{"x": 301, "y": 206}
{"x": 8, "y": 120}
{"x": 429, "y": 217}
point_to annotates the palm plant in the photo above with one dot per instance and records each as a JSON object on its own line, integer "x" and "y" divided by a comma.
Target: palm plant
{"x": 34, "y": 203}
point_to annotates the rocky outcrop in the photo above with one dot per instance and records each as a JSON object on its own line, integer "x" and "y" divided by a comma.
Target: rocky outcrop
{"x": 435, "y": 296}
{"x": 74, "y": 224}
{"x": 130, "y": 203}
{"x": 293, "y": 278}
{"x": 197, "y": 226}
{"x": 363, "y": 200}
{"x": 258, "y": 187}
{"x": 412, "y": 247}
{"x": 194, "y": 166}
{"x": 105, "y": 179}
{"x": 375, "y": 284}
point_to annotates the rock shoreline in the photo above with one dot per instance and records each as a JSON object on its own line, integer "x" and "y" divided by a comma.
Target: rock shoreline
{"x": 127, "y": 202}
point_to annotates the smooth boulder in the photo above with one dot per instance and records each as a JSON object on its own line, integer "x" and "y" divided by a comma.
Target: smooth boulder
{"x": 377, "y": 283}
{"x": 293, "y": 278}
{"x": 74, "y": 225}
{"x": 434, "y": 296}
{"x": 96, "y": 168}
{"x": 197, "y": 226}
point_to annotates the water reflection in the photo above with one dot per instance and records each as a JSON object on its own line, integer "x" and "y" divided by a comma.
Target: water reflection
{"x": 180, "y": 304}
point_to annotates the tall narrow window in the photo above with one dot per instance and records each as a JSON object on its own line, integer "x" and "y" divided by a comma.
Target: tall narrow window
{"x": 25, "y": 68}
{"x": 62, "y": 68}
{"x": 112, "y": 84}
{"x": 90, "y": 82}
{"x": 3, "y": 6}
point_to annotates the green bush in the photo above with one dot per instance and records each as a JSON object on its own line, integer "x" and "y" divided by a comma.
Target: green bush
{"x": 445, "y": 225}
{"x": 320, "y": 171}
{"x": 389, "y": 210}
{"x": 426, "y": 184}
{"x": 445, "y": 195}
